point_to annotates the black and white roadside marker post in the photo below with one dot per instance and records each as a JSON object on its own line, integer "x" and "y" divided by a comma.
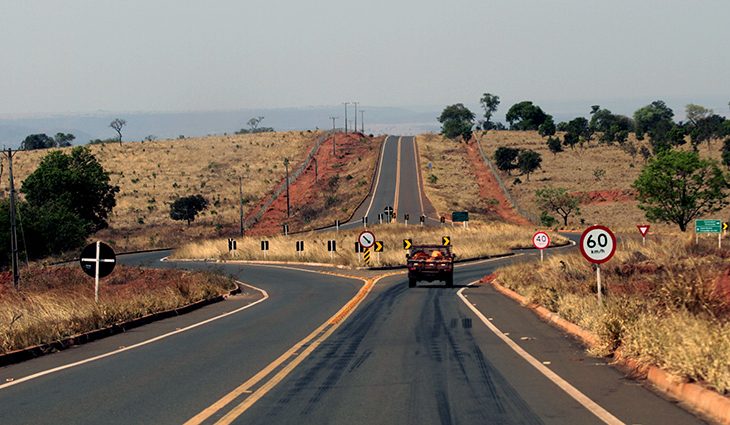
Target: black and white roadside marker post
{"x": 423, "y": 220}
{"x": 332, "y": 248}
{"x": 406, "y": 216}
{"x": 98, "y": 260}
{"x": 337, "y": 226}
{"x": 232, "y": 245}
{"x": 286, "y": 229}
{"x": 265, "y": 248}
{"x": 300, "y": 248}
{"x": 380, "y": 218}
{"x": 365, "y": 222}
{"x": 598, "y": 244}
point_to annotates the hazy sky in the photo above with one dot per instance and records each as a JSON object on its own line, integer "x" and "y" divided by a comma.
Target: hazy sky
{"x": 85, "y": 56}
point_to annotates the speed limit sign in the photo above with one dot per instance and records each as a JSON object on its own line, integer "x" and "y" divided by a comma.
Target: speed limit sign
{"x": 541, "y": 240}
{"x": 598, "y": 244}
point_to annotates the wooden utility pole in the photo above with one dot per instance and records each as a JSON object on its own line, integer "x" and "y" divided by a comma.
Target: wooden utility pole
{"x": 354, "y": 128}
{"x": 240, "y": 201}
{"x": 345, "y": 103}
{"x": 286, "y": 165}
{"x": 13, "y": 226}
{"x": 333, "y": 136}
{"x": 362, "y": 121}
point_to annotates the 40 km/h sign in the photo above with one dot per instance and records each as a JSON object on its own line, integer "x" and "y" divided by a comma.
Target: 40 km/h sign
{"x": 541, "y": 240}
{"x": 598, "y": 244}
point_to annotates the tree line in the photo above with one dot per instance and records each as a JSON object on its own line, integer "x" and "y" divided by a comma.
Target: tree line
{"x": 675, "y": 186}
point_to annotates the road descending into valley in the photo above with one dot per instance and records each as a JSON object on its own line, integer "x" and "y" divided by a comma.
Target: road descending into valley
{"x": 304, "y": 346}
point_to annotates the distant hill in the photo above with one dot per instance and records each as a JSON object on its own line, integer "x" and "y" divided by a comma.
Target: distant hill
{"x": 168, "y": 125}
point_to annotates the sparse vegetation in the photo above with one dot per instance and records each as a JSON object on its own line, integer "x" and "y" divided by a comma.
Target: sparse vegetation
{"x": 58, "y": 302}
{"x": 666, "y": 303}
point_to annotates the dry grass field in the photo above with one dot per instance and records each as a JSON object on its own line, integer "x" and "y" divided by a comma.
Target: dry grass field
{"x": 612, "y": 200}
{"x": 456, "y": 179}
{"x": 152, "y": 174}
{"x": 666, "y": 303}
{"x": 479, "y": 240}
{"x": 58, "y": 302}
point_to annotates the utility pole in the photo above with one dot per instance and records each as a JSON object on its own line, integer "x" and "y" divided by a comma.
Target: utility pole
{"x": 346, "y": 103}
{"x": 286, "y": 165}
{"x": 362, "y": 121}
{"x": 355, "y": 127}
{"x": 240, "y": 200}
{"x": 13, "y": 227}
{"x": 333, "y": 136}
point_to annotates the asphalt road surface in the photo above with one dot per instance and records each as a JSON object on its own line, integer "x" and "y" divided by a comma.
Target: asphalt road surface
{"x": 404, "y": 356}
{"x": 397, "y": 185}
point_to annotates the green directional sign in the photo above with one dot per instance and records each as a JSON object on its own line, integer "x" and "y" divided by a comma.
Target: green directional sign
{"x": 459, "y": 216}
{"x": 708, "y": 226}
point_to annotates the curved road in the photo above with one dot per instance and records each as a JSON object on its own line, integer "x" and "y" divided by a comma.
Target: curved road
{"x": 425, "y": 355}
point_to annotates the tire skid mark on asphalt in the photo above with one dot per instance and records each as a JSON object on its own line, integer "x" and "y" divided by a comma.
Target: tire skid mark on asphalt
{"x": 255, "y": 388}
{"x": 139, "y": 344}
{"x": 565, "y": 386}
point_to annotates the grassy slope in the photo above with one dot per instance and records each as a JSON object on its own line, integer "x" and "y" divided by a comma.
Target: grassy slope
{"x": 58, "y": 302}
{"x": 152, "y": 174}
{"x": 574, "y": 170}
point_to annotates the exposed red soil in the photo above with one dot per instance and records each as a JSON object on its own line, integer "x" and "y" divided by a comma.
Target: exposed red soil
{"x": 306, "y": 190}
{"x": 599, "y": 197}
{"x": 489, "y": 188}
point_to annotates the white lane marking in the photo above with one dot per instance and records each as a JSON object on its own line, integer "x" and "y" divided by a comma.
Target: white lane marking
{"x": 377, "y": 179}
{"x": 137, "y": 345}
{"x": 581, "y": 398}
{"x": 488, "y": 260}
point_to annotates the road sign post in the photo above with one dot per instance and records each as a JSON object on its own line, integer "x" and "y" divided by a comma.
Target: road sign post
{"x": 643, "y": 229}
{"x": 541, "y": 240}
{"x": 98, "y": 260}
{"x": 709, "y": 226}
{"x": 598, "y": 245}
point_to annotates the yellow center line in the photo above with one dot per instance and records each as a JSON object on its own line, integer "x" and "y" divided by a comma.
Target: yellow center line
{"x": 314, "y": 339}
{"x": 418, "y": 173}
{"x": 377, "y": 179}
{"x": 397, "y": 182}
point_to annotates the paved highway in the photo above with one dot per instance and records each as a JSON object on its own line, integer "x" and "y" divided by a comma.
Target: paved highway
{"x": 398, "y": 185}
{"x": 289, "y": 353}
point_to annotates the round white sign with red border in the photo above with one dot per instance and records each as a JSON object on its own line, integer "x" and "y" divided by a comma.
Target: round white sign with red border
{"x": 541, "y": 240}
{"x": 366, "y": 239}
{"x": 597, "y": 244}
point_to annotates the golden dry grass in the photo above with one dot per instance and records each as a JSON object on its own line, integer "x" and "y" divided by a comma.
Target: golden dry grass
{"x": 450, "y": 184}
{"x": 574, "y": 170}
{"x": 662, "y": 305}
{"x": 58, "y": 302}
{"x": 152, "y": 174}
{"x": 477, "y": 241}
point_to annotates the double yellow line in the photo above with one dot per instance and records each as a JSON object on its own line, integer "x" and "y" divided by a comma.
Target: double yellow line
{"x": 286, "y": 363}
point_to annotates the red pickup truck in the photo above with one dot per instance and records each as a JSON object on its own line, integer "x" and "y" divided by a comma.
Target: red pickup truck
{"x": 429, "y": 263}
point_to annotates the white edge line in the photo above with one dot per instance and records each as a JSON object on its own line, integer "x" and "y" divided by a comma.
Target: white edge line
{"x": 377, "y": 180}
{"x": 139, "y": 344}
{"x": 581, "y": 398}
{"x": 418, "y": 174}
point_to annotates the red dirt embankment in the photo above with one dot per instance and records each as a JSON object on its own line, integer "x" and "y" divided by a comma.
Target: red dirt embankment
{"x": 310, "y": 191}
{"x": 489, "y": 188}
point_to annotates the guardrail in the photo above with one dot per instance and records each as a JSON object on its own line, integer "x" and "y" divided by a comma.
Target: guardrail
{"x": 293, "y": 176}
{"x": 528, "y": 215}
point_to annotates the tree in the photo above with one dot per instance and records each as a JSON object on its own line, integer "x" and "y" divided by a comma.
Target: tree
{"x": 506, "y": 158}
{"x": 456, "y": 120}
{"x": 63, "y": 140}
{"x": 676, "y": 187}
{"x": 547, "y": 128}
{"x": 655, "y": 120}
{"x": 490, "y": 103}
{"x": 117, "y": 125}
{"x": 613, "y": 127}
{"x": 706, "y": 128}
{"x": 528, "y": 161}
{"x": 188, "y": 207}
{"x": 696, "y": 112}
{"x": 559, "y": 201}
{"x": 74, "y": 181}
{"x": 554, "y": 145}
{"x": 37, "y": 141}
{"x": 525, "y": 116}
{"x": 726, "y": 153}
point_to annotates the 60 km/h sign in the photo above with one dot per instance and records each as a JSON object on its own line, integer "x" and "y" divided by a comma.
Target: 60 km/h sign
{"x": 598, "y": 244}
